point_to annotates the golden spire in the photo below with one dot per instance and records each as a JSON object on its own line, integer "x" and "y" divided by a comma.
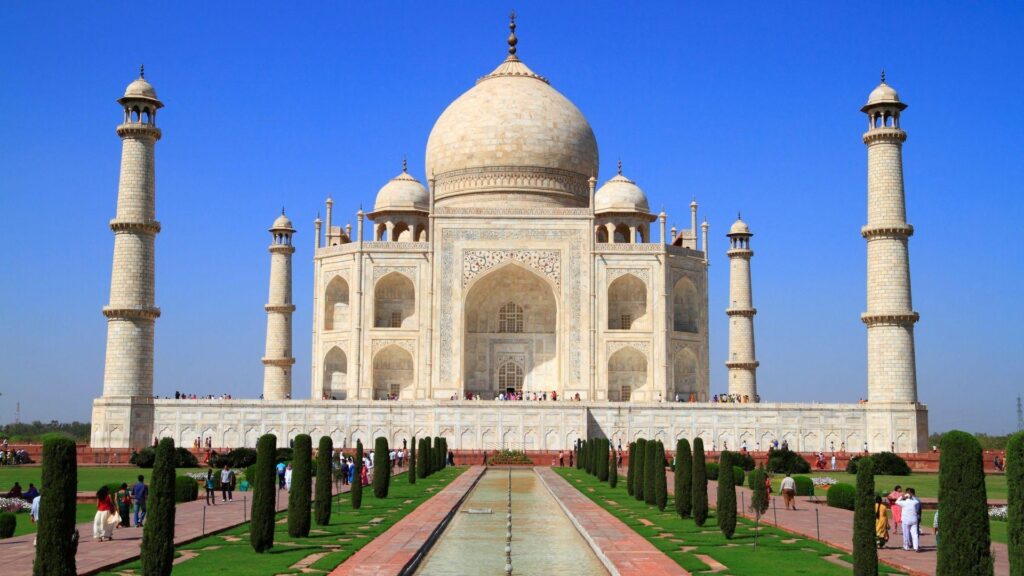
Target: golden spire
{"x": 512, "y": 40}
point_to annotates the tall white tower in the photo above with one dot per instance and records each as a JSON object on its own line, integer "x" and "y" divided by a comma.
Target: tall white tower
{"x": 131, "y": 312}
{"x": 741, "y": 363}
{"x": 278, "y": 360}
{"x": 890, "y": 317}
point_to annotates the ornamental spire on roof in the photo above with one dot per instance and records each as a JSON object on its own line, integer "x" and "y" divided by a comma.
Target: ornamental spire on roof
{"x": 512, "y": 40}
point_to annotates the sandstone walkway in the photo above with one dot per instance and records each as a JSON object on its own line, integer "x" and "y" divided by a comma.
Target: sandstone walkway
{"x": 836, "y": 529}
{"x": 621, "y": 549}
{"x": 393, "y": 550}
{"x": 18, "y": 553}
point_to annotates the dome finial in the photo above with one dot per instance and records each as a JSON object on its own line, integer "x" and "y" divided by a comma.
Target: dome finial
{"x": 512, "y": 40}
{"x": 883, "y": 75}
{"x": 620, "y": 166}
{"x": 282, "y": 210}
{"x": 142, "y": 70}
{"x": 405, "y": 164}
{"x": 739, "y": 215}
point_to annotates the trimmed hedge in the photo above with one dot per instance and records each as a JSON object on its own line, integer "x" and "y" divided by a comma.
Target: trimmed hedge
{"x": 145, "y": 458}
{"x": 185, "y": 489}
{"x": 638, "y": 474}
{"x": 157, "y": 553}
{"x": 886, "y": 463}
{"x": 237, "y": 458}
{"x": 613, "y": 470}
{"x": 300, "y": 497}
{"x": 264, "y": 486}
{"x": 660, "y": 486}
{"x": 744, "y": 461}
{"x": 8, "y": 522}
{"x": 842, "y": 495}
{"x": 324, "y": 461}
{"x": 738, "y": 475}
{"x": 421, "y": 459}
{"x": 759, "y": 493}
{"x": 787, "y": 462}
{"x": 630, "y": 468}
{"x": 650, "y": 472}
{"x": 683, "y": 478}
{"x": 712, "y": 470}
{"x": 55, "y": 552}
{"x": 700, "y": 483}
{"x": 865, "y": 548}
{"x": 380, "y": 467}
{"x": 1015, "y": 502}
{"x": 412, "y": 461}
{"x": 356, "y": 491}
{"x": 726, "y": 507}
{"x": 965, "y": 548}
{"x": 804, "y": 485}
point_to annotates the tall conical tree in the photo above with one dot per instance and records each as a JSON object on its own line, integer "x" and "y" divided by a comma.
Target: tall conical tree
{"x": 157, "y": 553}
{"x": 683, "y": 478}
{"x": 299, "y": 496}
{"x": 421, "y": 459}
{"x": 865, "y": 551}
{"x": 380, "y": 467}
{"x": 438, "y": 455}
{"x": 630, "y": 468}
{"x": 965, "y": 548}
{"x": 412, "y": 461}
{"x": 261, "y": 528}
{"x": 700, "y": 483}
{"x": 356, "y": 491}
{"x": 639, "y": 474}
{"x": 1015, "y": 504}
{"x": 660, "y": 486}
{"x": 56, "y": 546}
{"x": 726, "y": 508}
{"x": 324, "y": 459}
{"x": 613, "y": 469}
{"x": 602, "y": 460}
{"x": 650, "y": 472}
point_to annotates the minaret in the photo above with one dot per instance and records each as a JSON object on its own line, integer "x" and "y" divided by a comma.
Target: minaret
{"x": 132, "y": 312}
{"x": 890, "y": 317}
{"x": 742, "y": 363}
{"x": 278, "y": 360}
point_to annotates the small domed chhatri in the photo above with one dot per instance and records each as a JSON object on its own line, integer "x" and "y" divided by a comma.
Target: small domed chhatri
{"x": 883, "y": 94}
{"x": 403, "y": 192}
{"x": 620, "y": 194}
{"x": 282, "y": 222}
{"x": 739, "y": 227}
{"x": 141, "y": 89}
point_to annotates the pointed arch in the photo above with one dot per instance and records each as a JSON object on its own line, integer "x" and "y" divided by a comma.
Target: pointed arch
{"x": 627, "y": 375}
{"x": 394, "y": 301}
{"x": 393, "y": 374}
{"x": 622, "y": 234}
{"x": 685, "y": 306}
{"x": 627, "y": 303}
{"x": 335, "y": 378}
{"x": 684, "y": 376}
{"x": 336, "y": 310}
{"x": 401, "y": 232}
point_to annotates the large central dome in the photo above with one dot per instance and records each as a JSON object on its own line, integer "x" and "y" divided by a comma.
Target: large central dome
{"x": 511, "y": 140}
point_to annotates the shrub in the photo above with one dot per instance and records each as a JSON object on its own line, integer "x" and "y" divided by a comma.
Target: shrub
{"x": 186, "y": 489}
{"x": 965, "y": 546}
{"x": 726, "y": 506}
{"x": 284, "y": 454}
{"x": 300, "y": 496}
{"x": 264, "y": 485}
{"x": 787, "y": 462}
{"x": 738, "y": 475}
{"x": 865, "y": 549}
{"x": 357, "y": 483}
{"x": 603, "y": 450}
{"x": 712, "y": 470}
{"x": 421, "y": 459}
{"x": 886, "y": 463}
{"x": 55, "y": 552}
{"x": 144, "y": 458}
{"x": 700, "y": 483}
{"x": 184, "y": 458}
{"x": 507, "y": 457}
{"x": 660, "y": 487}
{"x": 613, "y": 470}
{"x": 8, "y": 522}
{"x": 638, "y": 475}
{"x": 158, "y": 533}
{"x": 444, "y": 452}
{"x": 380, "y": 467}
{"x": 744, "y": 461}
{"x": 237, "y": 458}
{"x": 630, "y": 468}
{"x": 324, "y": 460}
{"x": 683, "y": 478}
{"x": 412, "y": 461}
{"x": 1015, "y": 502}
{"x": 804, "y": 485}
{"x": 759, "y": 493}
{"x": 841, "y": 495}
{"x": 438, "y": 454}
{"x": 650, "y": 472}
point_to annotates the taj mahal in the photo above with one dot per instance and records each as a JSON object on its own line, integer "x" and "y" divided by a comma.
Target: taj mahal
{"x": 508, "y": 299}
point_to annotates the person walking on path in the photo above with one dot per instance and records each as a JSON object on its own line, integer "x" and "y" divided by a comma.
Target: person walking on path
{"x": 33, "y": 514}
{"x": 935, "y": 527}
{"x": 227, "y": 484}
{"x": 140, "y": 492}
{"x": 211, "y": 488}
{"x": 788, "y": 489}
{"x": 895, "y": 496}
{"x": 123, "y": 498}
{"x": 909, "y": 518}
{"x": 105, "y": 519}
{"x": 881, "y": 522}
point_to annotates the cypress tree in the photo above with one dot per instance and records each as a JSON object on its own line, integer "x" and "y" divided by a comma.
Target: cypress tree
{"x": 421, "y": 459}
{"x": 412, "y": 461}
{"x": 602, "y": 459}
{"x": 324, "y": 457}
{"x": 357, "y": 479}
{"x": 444, "y": 452}
{"x": 965, "y": 548}
{"x": 428, "y": 447}
{"x": 300, "y": 493}
{"x": 660, "y": 485}
{"x": 578, "y": 448}
{"x": 726, "y": 507}
{"x": 759, "y": 493}
{"x": 638, "y": 475}
{"x": 157, "y": 553}
{"x": 583, "y": 457}
{"x": 613, "y": 469}
{"x": 261, "y": 528}
{"x": 865, "y": 551}
{"x": 55, "y": 550}
{"x": 683, "y": 478}
{"x": 650, "y": 471}
{"x": 630, "y": 469}
{"x": 438, "y": 454}
{"x": 699, "y": 486}
{"x": 1015, "y": 503}
{"x": 380, "y": 467}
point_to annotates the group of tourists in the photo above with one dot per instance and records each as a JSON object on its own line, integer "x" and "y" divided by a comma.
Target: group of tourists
{"x": 905, "y": 509}
{"x": 733, "y": 398}
{"x": 186, "y": 396}
{"x": 226, "y": 481}
{"x": 114, "y": 509}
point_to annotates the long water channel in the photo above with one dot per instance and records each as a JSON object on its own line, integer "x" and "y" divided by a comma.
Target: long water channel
{"x": 544, "y": 540}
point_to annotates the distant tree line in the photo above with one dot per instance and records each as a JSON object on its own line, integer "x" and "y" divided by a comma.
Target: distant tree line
{"x": 987, "y": 441}
{"x": 34, "y": 431}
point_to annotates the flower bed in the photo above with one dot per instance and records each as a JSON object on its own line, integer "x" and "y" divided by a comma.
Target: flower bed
{"x": 14, "y": 505}
{"x": 509, "y": 457}
{"x": 997, "y": 513}
{"x": 823, "y": 481}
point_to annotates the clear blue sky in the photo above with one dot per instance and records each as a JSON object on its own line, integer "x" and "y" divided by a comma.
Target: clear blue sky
{"x": 747, "y": 106}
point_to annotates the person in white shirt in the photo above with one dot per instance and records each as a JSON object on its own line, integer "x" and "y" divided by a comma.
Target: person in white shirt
{"x": 288, "y": 478}
{"x": 910, "y": 519}
{"x": 788, "y": 489}
{"x": 34, "y": 514}
{"x": 833, "y": 462}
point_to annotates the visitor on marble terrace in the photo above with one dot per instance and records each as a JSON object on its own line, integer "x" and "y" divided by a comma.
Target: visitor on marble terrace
{"x": 184, "y": 396}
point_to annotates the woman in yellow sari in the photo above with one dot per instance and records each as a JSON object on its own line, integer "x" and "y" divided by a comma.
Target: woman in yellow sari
{"x": 881, "y": 522}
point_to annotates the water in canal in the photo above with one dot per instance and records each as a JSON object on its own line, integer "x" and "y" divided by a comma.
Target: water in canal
{"x": 544, "y": 540}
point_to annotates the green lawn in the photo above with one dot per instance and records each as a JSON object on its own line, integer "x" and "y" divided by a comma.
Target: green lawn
{"x": 230, "y": 553}
{"x": 83, "y": 513}
{"x": 778, "y": 552}
{"x": 925, "y": 484}
{"x": 89, "y": 477}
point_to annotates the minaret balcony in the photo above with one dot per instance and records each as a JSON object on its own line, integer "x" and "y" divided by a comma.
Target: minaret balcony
{"x": 747, "y": 312}
{"x": 144, "y": 226}
{"x": 739, "y": 253}
{"x": 885, "y": 135}
{"x": 747, "y": 365}
{"x": 279, "y": 307}
{"x": 132, "y": 312}
{"x": 138, "y": 130}
{"x": 278, "y": 361}
{"x": 896, "y": 230}
{"x": 890, "y": 318}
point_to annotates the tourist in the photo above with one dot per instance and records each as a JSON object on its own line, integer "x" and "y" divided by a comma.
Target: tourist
{"x": 561, "y": 459}
{"x": 211, "y": 488}
{"x": 106, "y": 516}
{"x": 288, "y": 478}
{"x": 788, "y": 489}
{"x": 895, "y": 496}
{"x": 881, "y": 522}
{"x": 15, "y": 491}
{"x": 571, "y": 453}
{"x": 768, "y": 485}
{"x": 833, "y": 462}
{"x": 33, "y": 514}
{"x": 31, "y": 493}
{"x": 865, "y": 446}
{"x": 935, "y": 526}
{"x": 123, "y": 499}
{"x": 280, "y": 475}
{"x": 227, "y": 484}
{"x": 140, "y": 492}
{"x": 909, "y": 507}
{"x": 363, "y": 477}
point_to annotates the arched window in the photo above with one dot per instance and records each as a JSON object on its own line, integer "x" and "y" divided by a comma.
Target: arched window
{"x": 335, "y": 382}
{"x": 510, "y": 377}
{"x": 401, "y": 233}
{"x": 627, "y": 303}
{"x": 602, "y": 235}
{"x": 622, "y": 234}
{"x": 510, "y": 318}
{"x": 684, "y": 306}
{"x": 627, "y": 373}
{"x": 394, "y": 301}
{"x": 336, "y": 304}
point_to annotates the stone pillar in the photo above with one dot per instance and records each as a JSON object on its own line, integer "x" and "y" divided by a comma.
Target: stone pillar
{"x": 741, "y": 363}
{"x": 278, "y": 360}
{"x": 123, "y": 417}
{"x": 890, "y": 318}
